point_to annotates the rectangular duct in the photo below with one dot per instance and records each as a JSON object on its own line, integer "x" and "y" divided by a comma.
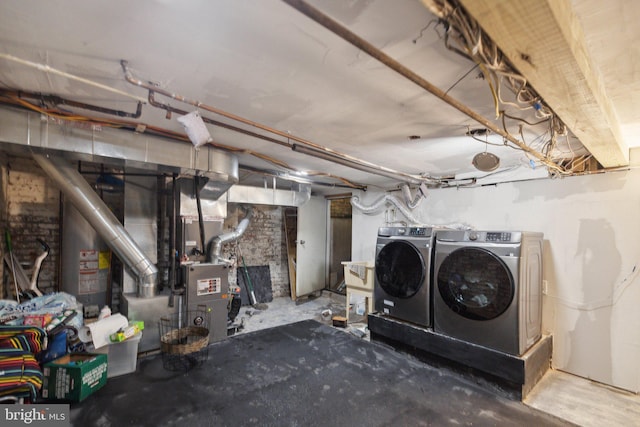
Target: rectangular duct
{"x": 24, "y": 132}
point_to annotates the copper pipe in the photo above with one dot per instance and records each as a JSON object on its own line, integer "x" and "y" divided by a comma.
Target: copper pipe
{"x": 129, "y": 77}
{"x": 345, "y": 159}
{"x": 167, "y": 107}
{"x": 376, "y": 53}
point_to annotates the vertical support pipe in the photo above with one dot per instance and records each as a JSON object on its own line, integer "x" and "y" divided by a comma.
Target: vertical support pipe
{"x": 172, "y": 239}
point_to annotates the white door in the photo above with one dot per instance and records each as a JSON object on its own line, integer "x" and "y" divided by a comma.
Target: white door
{"x": 311, "y": 246}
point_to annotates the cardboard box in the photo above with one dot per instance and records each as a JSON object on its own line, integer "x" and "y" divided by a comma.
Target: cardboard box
{"x": 339, "y": 321}
{"x": 74, "y": 377}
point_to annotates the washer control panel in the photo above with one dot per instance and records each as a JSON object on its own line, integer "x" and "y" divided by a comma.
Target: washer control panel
{"x": 418, "y": 231}
{"x": 498, "y": 237}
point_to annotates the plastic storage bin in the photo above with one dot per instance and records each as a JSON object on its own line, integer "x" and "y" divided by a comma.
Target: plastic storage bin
{"x": 121, "y": 357}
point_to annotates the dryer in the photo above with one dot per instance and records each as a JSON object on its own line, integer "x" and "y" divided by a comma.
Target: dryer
{"x": 488, "y": 288}
{"x": 403, "y": 273}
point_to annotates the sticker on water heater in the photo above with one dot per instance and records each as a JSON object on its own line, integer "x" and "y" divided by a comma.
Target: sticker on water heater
{"x": 389, "y": 303}
{"x": 209, "y": 286}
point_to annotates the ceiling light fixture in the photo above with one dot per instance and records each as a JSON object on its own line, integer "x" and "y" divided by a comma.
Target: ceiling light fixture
{"x": 485, "y": 161}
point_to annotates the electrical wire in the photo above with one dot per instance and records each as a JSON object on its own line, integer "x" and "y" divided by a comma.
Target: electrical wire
{"x": 461, "y": 78}
{"x": 465, "y": 37}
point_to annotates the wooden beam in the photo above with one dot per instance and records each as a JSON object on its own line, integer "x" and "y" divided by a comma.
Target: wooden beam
{"x": 544, "y": 40}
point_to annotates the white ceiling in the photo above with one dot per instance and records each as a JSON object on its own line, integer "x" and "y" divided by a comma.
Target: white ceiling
{"x": 264, "y": 61}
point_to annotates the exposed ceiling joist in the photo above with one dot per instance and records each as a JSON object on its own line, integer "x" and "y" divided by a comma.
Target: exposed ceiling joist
{"x": 544, "y": 40}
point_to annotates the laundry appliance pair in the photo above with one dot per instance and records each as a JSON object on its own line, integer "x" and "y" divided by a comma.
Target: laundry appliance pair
{"x": 482, "y": 287}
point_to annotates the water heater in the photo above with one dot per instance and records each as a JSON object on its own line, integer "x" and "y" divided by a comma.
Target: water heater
{"x": 85, "y": 258}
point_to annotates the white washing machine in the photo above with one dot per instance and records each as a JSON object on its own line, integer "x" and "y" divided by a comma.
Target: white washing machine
{"x": 488, "y": 288}
{"x": 403, "y": 272}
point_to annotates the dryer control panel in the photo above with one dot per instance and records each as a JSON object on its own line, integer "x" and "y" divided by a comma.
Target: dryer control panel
{"x": 490, "y": 236}
{"x": 404, "y": 231}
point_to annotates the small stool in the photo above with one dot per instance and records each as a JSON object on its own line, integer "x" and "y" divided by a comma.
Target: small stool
{"x": 366, "y": 293}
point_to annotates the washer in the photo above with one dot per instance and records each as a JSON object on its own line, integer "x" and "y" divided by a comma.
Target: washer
{"x": 488, "y": 288}
{"x": 403, "y": 273}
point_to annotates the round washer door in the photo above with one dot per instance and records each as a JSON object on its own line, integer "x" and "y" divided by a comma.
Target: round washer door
{"x": 400, "y": 269}
{"x": 475, "y": 283}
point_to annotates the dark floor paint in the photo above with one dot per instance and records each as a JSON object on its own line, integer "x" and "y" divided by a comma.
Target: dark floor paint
{"x": 304, "y": 374}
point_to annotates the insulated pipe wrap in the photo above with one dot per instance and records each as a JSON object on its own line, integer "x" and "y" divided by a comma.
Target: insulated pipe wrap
{"x": 380, "y": 203}
{"x": 413, "y": 203}
{"x": 97, "y": 213}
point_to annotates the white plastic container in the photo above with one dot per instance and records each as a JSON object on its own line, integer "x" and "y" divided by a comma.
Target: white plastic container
{"x": 122, "y": 356}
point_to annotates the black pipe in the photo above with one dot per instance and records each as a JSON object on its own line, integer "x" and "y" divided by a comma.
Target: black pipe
{"x": 162, "y": 221}
{"x": 57, "y": 100}
{"x": 200, "y": 221}
{"x": 172, "y": 240}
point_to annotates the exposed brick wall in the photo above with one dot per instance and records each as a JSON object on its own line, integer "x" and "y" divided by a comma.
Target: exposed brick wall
{"x": 32, "y": 206}
{"x": 263, "y": 243}
{"x": 341, "y": 208}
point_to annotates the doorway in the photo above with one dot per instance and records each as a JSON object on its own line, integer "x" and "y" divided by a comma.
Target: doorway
{"x": 339, "y": 241}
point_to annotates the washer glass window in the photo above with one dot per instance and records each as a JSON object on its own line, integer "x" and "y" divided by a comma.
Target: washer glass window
{"x": 475, "y": 283}
{"x": 400, "y": 269}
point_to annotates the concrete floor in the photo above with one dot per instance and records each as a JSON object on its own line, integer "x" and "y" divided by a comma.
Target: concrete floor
{"x": 321, "y": 374}
{"x": 571, "y": 398}
{"x": 300, "y": 374}
{"x": 283, "y": 311}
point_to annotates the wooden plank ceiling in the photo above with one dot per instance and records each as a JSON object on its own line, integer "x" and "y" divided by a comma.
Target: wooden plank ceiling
{"x": 544, "y": 40}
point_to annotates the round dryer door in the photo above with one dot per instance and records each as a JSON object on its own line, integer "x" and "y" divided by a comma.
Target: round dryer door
{"x": 475, "y": 283}
{"x": 400, "y": 269}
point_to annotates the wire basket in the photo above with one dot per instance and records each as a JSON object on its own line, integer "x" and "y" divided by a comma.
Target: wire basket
{"x": 184, "y": 339}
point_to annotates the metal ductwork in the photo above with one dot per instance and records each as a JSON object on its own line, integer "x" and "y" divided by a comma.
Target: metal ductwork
{"x": 214, "y": 247}
{"x": 96, "y": 212}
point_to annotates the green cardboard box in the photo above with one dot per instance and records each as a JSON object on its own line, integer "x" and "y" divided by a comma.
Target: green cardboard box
{"x": 74, "y": 377}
